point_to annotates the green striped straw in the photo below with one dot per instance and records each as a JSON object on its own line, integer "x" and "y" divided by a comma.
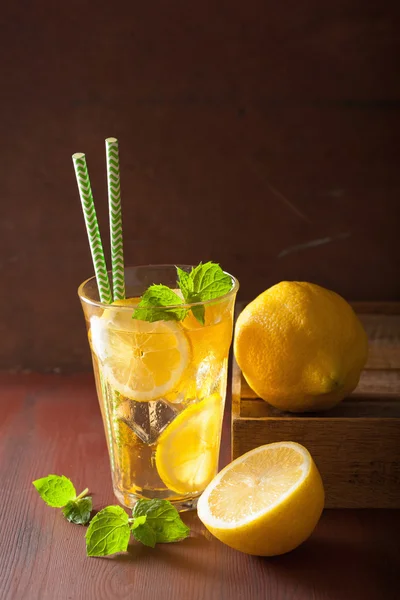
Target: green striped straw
{"x": 114, "y": 205}
{"x": 92, "y": 227}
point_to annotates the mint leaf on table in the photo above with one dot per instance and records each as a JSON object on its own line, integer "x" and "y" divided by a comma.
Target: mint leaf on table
{"x": 143, "y": 532}
{"x": 108, "y": 532}
{"x": 152, "y": 522}
{"x": 163, "y": 518}
{"x": 55, "y": 490}
{"x": 58, "y": 491}
{"x": 153, "y": 305}
{"x": 138, "y": 521}
{"x": 78, "y": 511}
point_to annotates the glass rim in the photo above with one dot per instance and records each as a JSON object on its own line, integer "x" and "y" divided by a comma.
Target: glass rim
{"x": 104, "y": 305}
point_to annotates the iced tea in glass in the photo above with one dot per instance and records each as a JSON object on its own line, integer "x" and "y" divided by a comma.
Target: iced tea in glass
{"x": 161, "y": 387}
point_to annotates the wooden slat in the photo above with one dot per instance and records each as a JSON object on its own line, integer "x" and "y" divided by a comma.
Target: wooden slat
{"x": 379, "y": 384}
{"x": 349, "y": 408}
{"x": 359, "y": 459}
{"x": 384, "y": 340}
{"x": 379, "y": 308}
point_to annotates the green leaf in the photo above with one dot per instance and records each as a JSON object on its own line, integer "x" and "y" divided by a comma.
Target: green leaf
{"x": 144, "y": 533}
{"x": 55, "y": 490}
{"x": 184, "y": 282}
{"x": 138, "y": 521}
{"x": 199, "y": 312}
{"x": 78, "y": 511}
{"x": 209, "y": 282}
{"x": 108, "y": 532}
{"x": 163, "y": 518}
{"x": 204, "y": 282}
{"x": 153, "y": 305}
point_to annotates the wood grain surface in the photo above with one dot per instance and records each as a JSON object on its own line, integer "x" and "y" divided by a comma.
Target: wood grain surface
{"x": 52, "y": 424}
{"x": 263, "y": 135}
{"x": 356, "y": 445}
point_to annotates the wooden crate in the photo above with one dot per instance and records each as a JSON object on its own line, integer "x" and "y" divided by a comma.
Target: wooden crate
{"x": 356, "y": 445}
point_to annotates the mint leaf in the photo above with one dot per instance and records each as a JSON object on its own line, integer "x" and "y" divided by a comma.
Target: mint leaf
{"x": 204, "y": 282}
{"x": 153, "y": 305}
{"x": 184, "y": 282}
{"x": 138, "y": 521}
{"x": 108, "y": 532}
{"x": 58, "y": 491}
{"x": 55, "y": 490}
{"x": 199, "y": 312}
{"x": 78, "y": 511}
{"x": 163, "y": 518}
{"x": 142, "y": 532}
{"x": 209, "y": 282}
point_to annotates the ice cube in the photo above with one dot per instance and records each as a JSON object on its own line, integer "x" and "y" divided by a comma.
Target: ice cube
{"x": 147, "y": 419}
{"x": 210, "y": 376}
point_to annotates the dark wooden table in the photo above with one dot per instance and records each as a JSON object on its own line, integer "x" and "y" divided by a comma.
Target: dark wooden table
{"x": 52, "y": 424}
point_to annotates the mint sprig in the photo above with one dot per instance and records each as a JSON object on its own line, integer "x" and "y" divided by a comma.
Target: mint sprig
{"x": 59, "y": 492}
{"x": 154, "y": 303}
{"x": 205, "y": 282}
{"x": 152, "y": 522}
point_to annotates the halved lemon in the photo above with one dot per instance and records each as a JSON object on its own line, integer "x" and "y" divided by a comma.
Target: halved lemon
{"x": 187, "y": 450}
{"x": 266, "y": 502}
{"x": 141, "y": 360}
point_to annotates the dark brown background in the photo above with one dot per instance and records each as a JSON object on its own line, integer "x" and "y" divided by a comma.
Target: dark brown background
{"x": 263, "y": 135}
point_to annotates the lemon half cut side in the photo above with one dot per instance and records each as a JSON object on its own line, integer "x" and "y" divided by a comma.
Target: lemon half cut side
{"x": 266, "y": 502}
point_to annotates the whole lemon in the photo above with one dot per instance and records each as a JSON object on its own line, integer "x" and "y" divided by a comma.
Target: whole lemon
{"x": 300, "y": 346}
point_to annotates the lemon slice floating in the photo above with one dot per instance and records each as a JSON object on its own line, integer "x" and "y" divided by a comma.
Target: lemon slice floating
{"x": 187, "y": 450}
{"x": 266, "y": 502}
{"x": 141, "y": 360}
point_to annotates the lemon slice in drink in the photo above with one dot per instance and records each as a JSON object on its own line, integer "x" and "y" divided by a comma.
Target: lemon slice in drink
{"x": 187, "y": 450}
{"x": 266, "y": 502}
{"x": 141, "y": 360}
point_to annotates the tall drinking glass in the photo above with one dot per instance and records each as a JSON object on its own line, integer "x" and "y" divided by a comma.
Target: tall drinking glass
{"x": 161, "y": 386}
